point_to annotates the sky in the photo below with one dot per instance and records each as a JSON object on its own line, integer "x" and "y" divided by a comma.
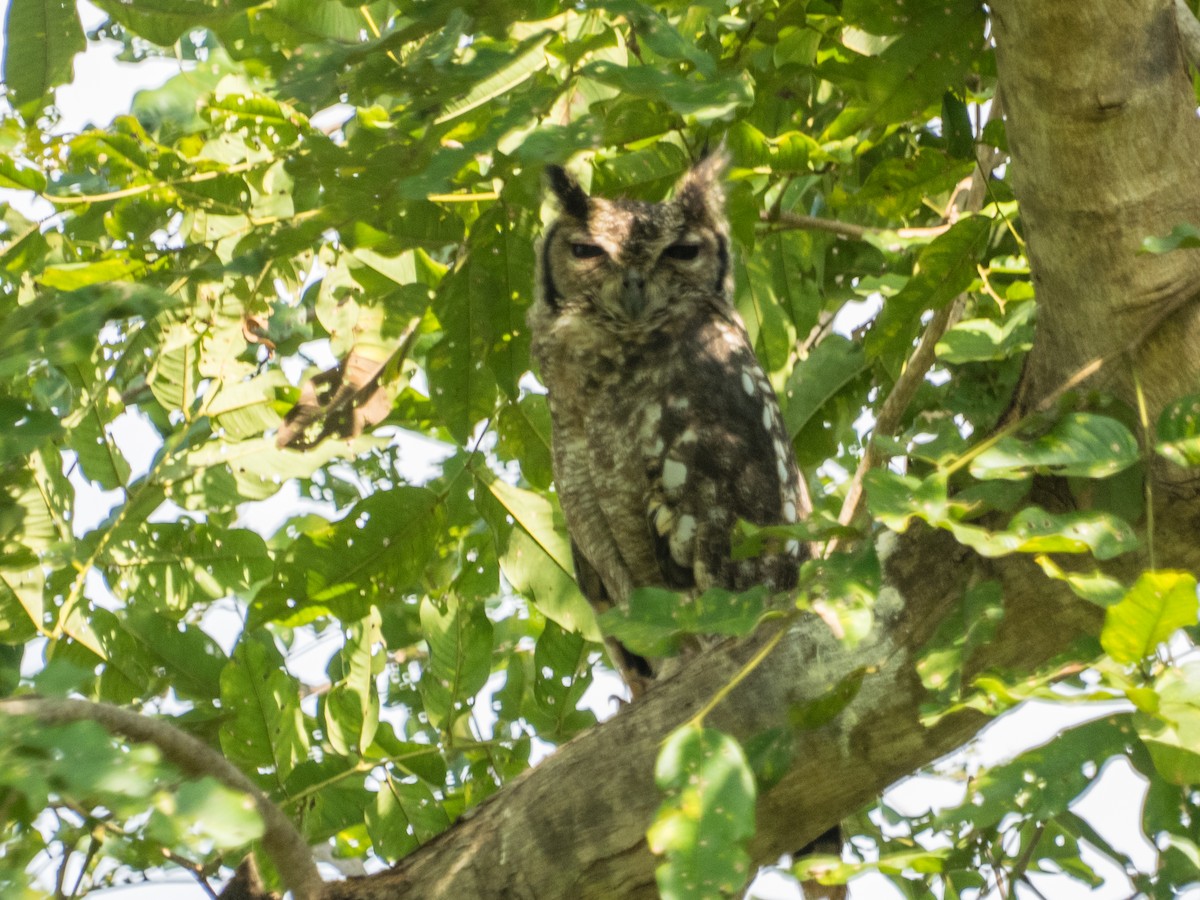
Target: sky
{"x": 103, "y": 88}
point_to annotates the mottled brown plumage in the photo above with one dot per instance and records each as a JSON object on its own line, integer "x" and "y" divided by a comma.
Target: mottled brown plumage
{"x": 665, "y": 428}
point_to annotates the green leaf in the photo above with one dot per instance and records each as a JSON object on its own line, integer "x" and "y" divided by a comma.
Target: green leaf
{"x": 19, "y": 178}
{"x": 460, "y": 656}
{"x": 163, "y": 22}
{"x": 770, "y": 754}
{"x": 352, "y": 704}
{"x": 696, "y": 100}
{"x": 648, "y": 624}
{"x": 405, "y": 816}
{"x": 655, "y": 620}
{"x": 898, "y": 185}
{"x": 561, "y": 676}
{"x": 943, "y": 270}
{"x": 265, "y": 729}
{"x": 23, "y": 430}
{"x": 207, "y": 809}
{"x": 822, "y": 710}
{"x": 534, "y": 552}
{"x": 1079, "y": 444}
{"x": 1182, "y": 237}
{"x": 179, "y": 565}
{"x": 63, "y": 327}
{"x": 833, "y": 364}
{"x": 1179, "y": 431}
{"x": 1158, "y": 604}
{"x": 41, "y": 38}
{"x": 973, "y": 623}
{"x": 1172, "y": 734}
{"x": 376, "y": 552}
{"x": 1042, "y": 782}
{"x": 982, "y": 340}
{"x": 896, "y": 499}
{"x": 521, "y": 62}
{"x": 707, "y": 817}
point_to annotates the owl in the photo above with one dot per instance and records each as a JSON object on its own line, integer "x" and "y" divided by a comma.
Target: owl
{"x": 665, "y": 429}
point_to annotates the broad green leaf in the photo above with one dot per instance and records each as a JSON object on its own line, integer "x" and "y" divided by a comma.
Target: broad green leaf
{"x": 561, "y": 675}
{"x": 63, "y": 327}
{"x": 648, "y": 624}
{"x": 23, "y": 430}
{"x": 163, "y": 22}
{"x": 982, "y": 340}
{"x": 973, "y": 623}
{"x": 179, "y": 565}
{"x": 1042, "y": 782}
{"x": 520, "y": 64}
{"x": 770, "y": 754}
{"x": 377, "y": 552}
{"x": 896, "y": 499}
{"x": 833, "y": 364}
{"x": 655, "y": 621}
{"x": 72, "y": 276}
{"x": 534, "y": 552}
{"x": 908, "y": 78}
{"x": 899, "y": 184}
{"x": 524, "y": 435}
{"x": 1172, "y": 734}
{"x": 405, "y": 816}
{"x": 1079, "y": 444}
{"x": 824, "y": 709}
{"x": 787, "y": 152}
{"x": 191, "y": 660}
{"x": 352, "y": 704}
{"x": 1182, "y": 237}
{"x": 265, "y": 730}
{"x": 707, "y": 817}
{"x": 19, "y": 178}
{"x": 1095, "y": 586}
{"x": 41, "y": 38}
{"x": 943, "y": 270}
{"x": 208, "y": 809}
{"x": 698, "y": 101}
{"x": 1179, "y": 431}
{"x": 1158, "y": 604}
{"x": 460, "y": 656}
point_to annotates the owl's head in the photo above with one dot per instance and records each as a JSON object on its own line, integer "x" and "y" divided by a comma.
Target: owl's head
{"x": 628, "y": 263}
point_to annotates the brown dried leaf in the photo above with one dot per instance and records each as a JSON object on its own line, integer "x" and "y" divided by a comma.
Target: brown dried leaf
{"x": 343, "y": 401}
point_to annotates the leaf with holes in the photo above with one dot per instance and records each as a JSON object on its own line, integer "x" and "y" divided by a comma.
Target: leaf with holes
{"x": 707, "y": 818}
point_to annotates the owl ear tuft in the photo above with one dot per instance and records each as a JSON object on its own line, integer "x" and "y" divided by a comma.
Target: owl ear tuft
{"x": 701, "y": 190}
{"x": 572, "y": 197}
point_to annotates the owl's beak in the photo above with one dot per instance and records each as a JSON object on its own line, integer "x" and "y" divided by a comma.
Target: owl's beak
{"x": 633, "y": 296}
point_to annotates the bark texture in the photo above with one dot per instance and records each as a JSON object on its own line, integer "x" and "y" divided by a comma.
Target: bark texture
{"x": 1105, "y": 142}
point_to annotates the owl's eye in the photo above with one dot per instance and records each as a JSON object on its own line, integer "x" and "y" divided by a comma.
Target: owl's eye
{"x": 683, "y": 252}
{"x": 586, "y": 251}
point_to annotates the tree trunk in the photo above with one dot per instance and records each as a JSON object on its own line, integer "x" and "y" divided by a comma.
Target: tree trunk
{"x": 1106, "y": 148}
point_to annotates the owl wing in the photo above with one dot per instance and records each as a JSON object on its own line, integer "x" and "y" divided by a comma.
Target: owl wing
{"x": 723, "y": 454}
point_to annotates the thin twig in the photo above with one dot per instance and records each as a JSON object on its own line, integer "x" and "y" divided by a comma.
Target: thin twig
{"x": 892, "y": 411}
{"x": 781, "y": 220}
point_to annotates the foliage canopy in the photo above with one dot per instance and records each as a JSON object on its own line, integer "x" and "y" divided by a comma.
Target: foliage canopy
{"x": 294, "y": 278}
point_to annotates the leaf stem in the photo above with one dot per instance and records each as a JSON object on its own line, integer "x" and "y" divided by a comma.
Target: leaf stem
{"x": 750, "y": 665}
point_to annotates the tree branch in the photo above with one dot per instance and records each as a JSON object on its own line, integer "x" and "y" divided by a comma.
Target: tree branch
{"x": 282, "y": 842}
